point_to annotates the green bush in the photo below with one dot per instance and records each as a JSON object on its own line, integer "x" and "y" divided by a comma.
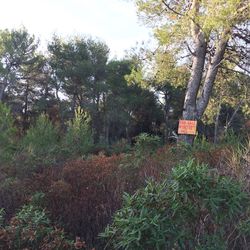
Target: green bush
{"x": 7, "y": 133}
{"x": 121, "y": 146}
{"x": 31, "y": 229}
{"x": 78, "y": 139}
{"x": 146, "y": 144}
{"x": 194, "y": 209}
{"x": 2, "y": 212}
{"x": 40, "y": 144}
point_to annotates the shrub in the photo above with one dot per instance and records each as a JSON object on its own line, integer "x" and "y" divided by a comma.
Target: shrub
{"x": 86, "y": 196}
{"x": 2, "y": 212}
{"x": 31, "y": 229}
{"x": 78, "y": 139}
{"x": 7, "y": 133}
{"x": 12, "y": 195}
{"x": 40, "y": 144}
{"x": 231, "y": 138}
{"x": 235, "y": 162}
{"x": 121, "y": 146}
{"x": 146, "y": 144}
{"x": 195, "y": 209}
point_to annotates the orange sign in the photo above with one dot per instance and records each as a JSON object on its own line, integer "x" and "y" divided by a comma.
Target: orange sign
{"x": 187, "y": 127}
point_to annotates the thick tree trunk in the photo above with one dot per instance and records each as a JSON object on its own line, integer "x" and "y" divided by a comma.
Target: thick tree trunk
{"x": 212, "y": 71}
{"x": 199, "y": 56}
{"x": 189, "y": 109}
{"x": 195, "y": 107}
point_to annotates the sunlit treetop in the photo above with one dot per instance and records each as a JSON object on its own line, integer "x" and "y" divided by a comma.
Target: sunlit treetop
{"x": 177, "y": 21}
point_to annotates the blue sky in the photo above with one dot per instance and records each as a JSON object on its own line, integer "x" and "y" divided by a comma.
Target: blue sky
{"x": 113, "y": 21}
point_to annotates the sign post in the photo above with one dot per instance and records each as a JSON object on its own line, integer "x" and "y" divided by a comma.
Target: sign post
{"x": 187, "y": 127}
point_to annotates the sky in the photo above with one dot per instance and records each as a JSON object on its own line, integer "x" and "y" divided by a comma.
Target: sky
{"x": 113, "y": 21}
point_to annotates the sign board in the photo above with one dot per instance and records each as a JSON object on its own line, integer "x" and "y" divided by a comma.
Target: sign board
{"x": 187, "y": 127}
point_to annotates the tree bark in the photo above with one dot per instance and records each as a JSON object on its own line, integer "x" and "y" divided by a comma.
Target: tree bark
{"x": 198, "y": 63}
{"x": 212, "y": 71}
{"x": 216, "y": 125}
{"x": 25, "y": 113}
{"x": 166, "y": 115}
{"x": 195, "y": 107}
{"x": 189, "y": 109}
{"x": 229, "y": 123}
{"x": 3, "y": 87}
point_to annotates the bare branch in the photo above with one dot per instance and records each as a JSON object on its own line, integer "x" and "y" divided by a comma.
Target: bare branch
{"x": 171, "y": 9}
{"x": 189, "y": 49}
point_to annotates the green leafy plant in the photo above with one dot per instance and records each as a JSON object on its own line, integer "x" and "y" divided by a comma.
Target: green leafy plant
{"x": 40, "y": 144}
{"x": 7, "y": 133}
{"x": 78, "y": 139}
{"x": 146, "y": 144}
{"x": 194, "y": 209}
{"x": 121, "y": 146}
{"x": 32, "y": 229}
{"x": 2, "y": 212}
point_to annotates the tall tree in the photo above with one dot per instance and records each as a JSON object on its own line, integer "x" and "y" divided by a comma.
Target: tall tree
{"x": 206, "y": 30}
{"x": 163, "y": 76}
{"x": 230, "y": 98}
{"x": 79, "y": 68}
{"x": 129, "y": 109}
{"x": 17, "y": 50}
{"x": 21, "y": 71}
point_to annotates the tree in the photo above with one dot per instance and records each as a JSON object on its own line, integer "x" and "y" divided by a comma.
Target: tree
{"x": 229, "y": 99}
{"x": 165, "y": 78}
{"x": 206, "y": 30}
{"x": 22, "y": 74}
{"x": 128, "y": 108}
{"x": 168, "y": 81}
{"x": 79, "y": 69}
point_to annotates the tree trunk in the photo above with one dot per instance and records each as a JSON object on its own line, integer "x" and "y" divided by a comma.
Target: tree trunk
{"x": 25, "y": 113}
{"x": 216, "y": 125}
{"x": 198, "y": 62}
{"x": 166, "y": 116}
{"x": 229, "y": 123}
{"x": 3, "y": 87}
{"x": 212, "y": 71}
{"x": 195, "y": 107}
{"x": 1, "y": 93}
{"x": 189, "y": 109}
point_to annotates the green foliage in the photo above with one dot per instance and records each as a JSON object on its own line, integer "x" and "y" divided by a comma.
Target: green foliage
{"x": 37, "y": 199}
{"x": 78, "y": 139}
{"x": 230, "y": 138}
{"x": 2, "y": 212}
{"x": 146, "y": 144}
{"x": 41, "y": 141}
{"x": 121, "y": 146}
{"x": 201, "y": 144}
{"x": 31, "y": 229}
{"x": 195, "y": 209}
{"x": 139, "y": 224}
{"x": 7, "y": 133}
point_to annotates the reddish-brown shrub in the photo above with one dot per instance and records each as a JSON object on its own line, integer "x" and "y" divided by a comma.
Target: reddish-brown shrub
{"x": 12, "y": 195}
{"x": 87, "y": 195}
